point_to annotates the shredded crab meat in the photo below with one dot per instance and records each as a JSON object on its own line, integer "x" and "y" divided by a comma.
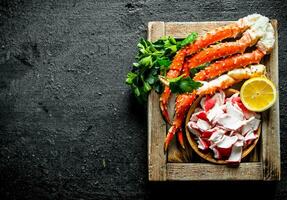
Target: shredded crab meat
{"x": 227, "y": 142}
{"x": 251, "y": 124}
{"x": 214, "y": 114}
{"x": 222, "y": 125}
{"x": 236, "y": 152}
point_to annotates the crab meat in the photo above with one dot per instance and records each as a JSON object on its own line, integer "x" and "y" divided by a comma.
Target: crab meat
{"x": 214, "y": 113}
{"x": 251, "y": 124}
{"x": 229, "y": 122}
{"x": 217, "y": 135}
{"x": 193, "y": 128}
{"x": 209, "y": 132}
{"x": 202, "y": 102}
{"x": 240, "y": 137}
{"x": 224, "y": 152}
{"x": 247, "y": 113}
{"x": 266, "y": 43}
{"x": 227, "y": 142}
{"x": 250, "y": 136}
{"x": 199, "y": 115}
{"x": 233, "y": 119}
{"x": 252, "y": 71}
{"x": 221, "y": 124}
{"x": 234, "y": 112}
{"x": 203, "y": 125}
{"x": 203, "y": 144}
{"x": 236, "y": 153}
{"x": 216, "y": 153}
{"x": 219, "y": 98}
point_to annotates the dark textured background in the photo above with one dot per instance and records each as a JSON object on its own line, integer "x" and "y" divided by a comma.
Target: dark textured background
{"x": 69, "y": 128}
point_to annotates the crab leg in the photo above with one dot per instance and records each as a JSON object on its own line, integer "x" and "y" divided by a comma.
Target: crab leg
{"x": 249, "y": 38}
{"x": 180, "y": 138}
{"x": 231, "y": 78}
{"x": 230, "y": 63}
{"x": 186, "y": 99}
{"x": 229, "y": 31}
{"x": 173, "y": 72}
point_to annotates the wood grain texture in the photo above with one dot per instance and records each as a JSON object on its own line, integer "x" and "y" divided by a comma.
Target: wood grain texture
{"x": 183, "y": 29}
{"x": 156, "y": 125}
{"x": 255, "y": 154}
{"x": 207, "y": 171}
{"x": 271, "y": 122}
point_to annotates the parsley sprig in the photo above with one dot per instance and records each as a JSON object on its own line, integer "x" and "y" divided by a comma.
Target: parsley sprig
{"x": 154, "y": 59}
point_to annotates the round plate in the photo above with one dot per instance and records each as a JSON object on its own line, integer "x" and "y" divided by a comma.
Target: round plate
{"x": 209, "y": 155}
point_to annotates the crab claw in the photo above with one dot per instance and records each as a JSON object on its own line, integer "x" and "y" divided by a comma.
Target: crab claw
{"x": 163, "y": 104}
{"x": 183, "y": 102}
{"x": 169, "y": 137}
{"x": 180, "y": 138}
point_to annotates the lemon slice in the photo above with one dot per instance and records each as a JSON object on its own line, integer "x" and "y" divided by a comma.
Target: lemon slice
{"x": 258, "y": 94}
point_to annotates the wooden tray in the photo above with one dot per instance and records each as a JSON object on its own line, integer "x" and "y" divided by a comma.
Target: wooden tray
{"x": 178, "y": 164}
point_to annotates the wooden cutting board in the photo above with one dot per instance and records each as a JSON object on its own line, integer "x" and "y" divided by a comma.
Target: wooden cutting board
{"x": 179, "y": 164}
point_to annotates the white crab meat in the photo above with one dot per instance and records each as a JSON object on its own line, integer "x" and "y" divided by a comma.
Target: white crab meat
{"x": 203, "y": 125}
{"x": 193, "y": 128}
{"x": 198, "y": 115}
{"x": 219, "y": 98}
{"x": 250, "y": 136}
{"x": 247, "y": 113}
{"x": 214, "y": 113}
{"x": 234, "y": 112}
{"x": 245, "y": 73}
{"x": 202, "y": 102}
{"x": 252, "y": 124}
{"x": 266, "y": 43}
{"x": 216, "y": 99}
{"x": 217, "y": 135}
{"x": 229, "y": 122}
{"x": 236, "y": 153}
{"x": 202, "y": 144}
{"x": 240, "y": 137}
{"x": 216, "y": 153}
{"x": 251, "y": 20}
{"x": 233, "y": 119}
{"x": 258, "y": 29}
{"x": 227, "y": 142}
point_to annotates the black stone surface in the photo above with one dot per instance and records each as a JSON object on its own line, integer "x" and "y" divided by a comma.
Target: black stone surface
{"x": 69, "y": 128}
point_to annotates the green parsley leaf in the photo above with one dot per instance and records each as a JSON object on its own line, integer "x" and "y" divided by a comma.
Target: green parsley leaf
{"x": 191, "y": 38}
{"x": 130, "y": 78}
{"x": 195, "y": 70}
{"x": 182, "y": 85}
{"x": 147, "y": 87}
{"x": 152, "y": 60}
{"x": 164, "y": 62}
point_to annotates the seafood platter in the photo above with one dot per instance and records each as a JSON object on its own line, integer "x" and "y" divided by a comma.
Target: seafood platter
{"x": 213, "y": 102}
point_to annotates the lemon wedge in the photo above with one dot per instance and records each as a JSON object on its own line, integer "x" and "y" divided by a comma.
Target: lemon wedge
{"x": 258, "y": 94}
